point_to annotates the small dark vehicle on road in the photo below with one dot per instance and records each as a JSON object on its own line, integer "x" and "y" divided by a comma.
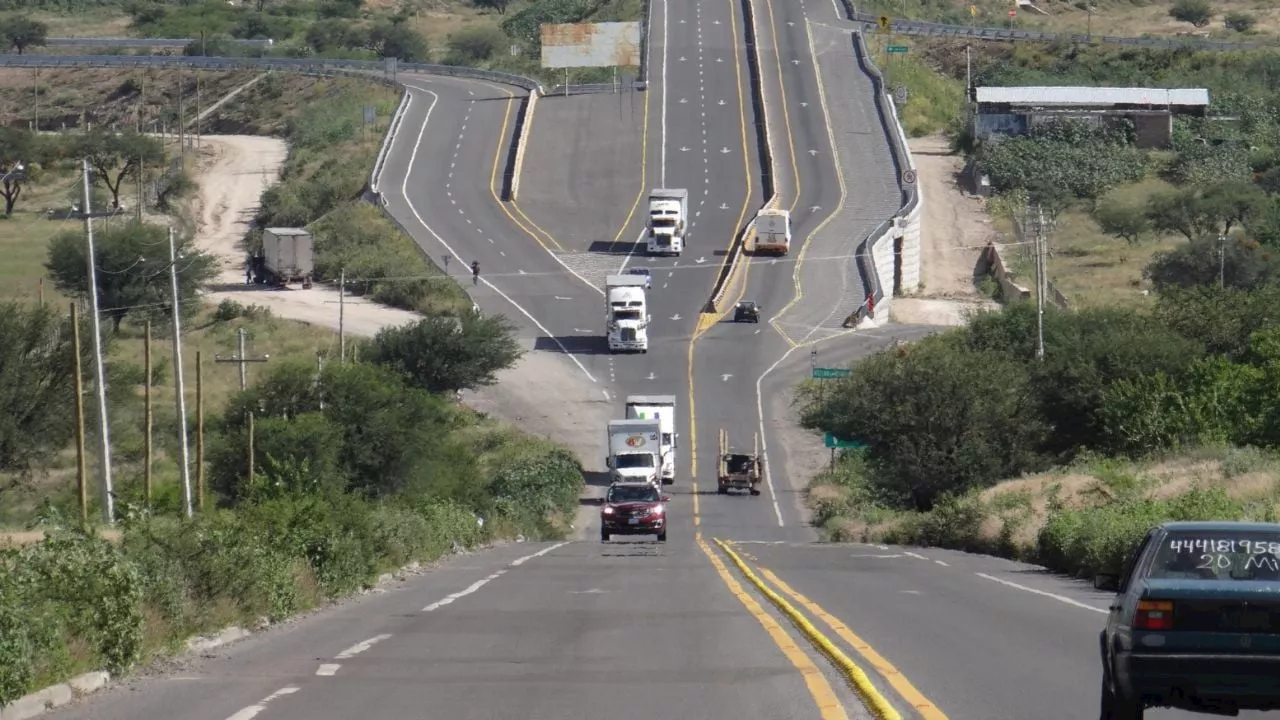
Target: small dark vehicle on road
{"x": 634, "y": 508}
{"x": 746, "y": 312}
{"x": 1195, "y": 624}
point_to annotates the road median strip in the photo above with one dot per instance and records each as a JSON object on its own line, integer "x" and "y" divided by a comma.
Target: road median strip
{"x": 871, "y": 697}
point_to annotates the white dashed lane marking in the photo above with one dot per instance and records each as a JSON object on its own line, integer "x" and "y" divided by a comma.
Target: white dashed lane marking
{"x": 253, "y": 710}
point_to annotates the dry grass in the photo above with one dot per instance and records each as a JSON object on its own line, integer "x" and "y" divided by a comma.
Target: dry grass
{"x": 88, "y": 22}
{"x": 1089, "y": 267}
{"x": 1123, "y": 17}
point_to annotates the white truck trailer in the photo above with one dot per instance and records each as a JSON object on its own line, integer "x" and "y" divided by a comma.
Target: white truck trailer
{"x": 668, "y": 221}
{"x": 663, "y": 409}
{"x": 287, "y": 256}
{"x": 627, "y": 318}
{"x": 773, "y": 231}
{"x": 635, "y": 450}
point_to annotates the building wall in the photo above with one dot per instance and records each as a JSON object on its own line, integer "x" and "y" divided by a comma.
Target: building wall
{"x": 1153, "y": 131}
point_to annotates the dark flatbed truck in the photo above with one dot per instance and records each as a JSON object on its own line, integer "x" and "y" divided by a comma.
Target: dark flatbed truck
{"x": 738, "y": 471}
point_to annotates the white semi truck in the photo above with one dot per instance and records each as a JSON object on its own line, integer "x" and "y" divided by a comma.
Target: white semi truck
{"x": 627, "y": 319}
{"x": 668, "y": 221}
{"x": 773, "y": 231}
{"x": 635, "y": 450}
{"x": 663, "y": 409}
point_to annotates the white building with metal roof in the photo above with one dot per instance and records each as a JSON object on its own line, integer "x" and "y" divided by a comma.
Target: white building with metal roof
{"x": 1015, "y": 110}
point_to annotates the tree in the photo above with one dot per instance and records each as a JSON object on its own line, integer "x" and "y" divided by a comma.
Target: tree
{"x": 938, "y": 418}
{"x": 1125, "y": 221}
{"x": 499, "y": 5}
{"x": 22, "y": 32}
{"x": 1208, "y": 261}
{"x": 37, "y": 390}
{"x": 329, "y": 35}
{"x": 118, "y": 157}
{"x": 476, "y": 44}
{"x": 132, "y": 269}
{"x": 1222, "y": 320}
{"x": 1196, "y": 12}
{"x": 19, "y": 149}
{"x": 1239, "y": 21}
{"x": 444, "y": 354}
{"x": 1206, "y": 212}
{"x": 399, "y": 41}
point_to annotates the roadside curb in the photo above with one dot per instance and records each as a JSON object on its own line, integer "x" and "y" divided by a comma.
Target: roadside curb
{"x": 876, "y": 703}
{"x": 54, "y": 696}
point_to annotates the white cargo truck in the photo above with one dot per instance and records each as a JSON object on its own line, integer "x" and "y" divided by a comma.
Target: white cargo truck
{"x": 668, "y": 221}
{"x": 663, "y": 409}
{"x": 286, "y": 256}
{"x": 627, "y": 319}
{"x": 773, "y": 231}
{"x": 635, "y": 450}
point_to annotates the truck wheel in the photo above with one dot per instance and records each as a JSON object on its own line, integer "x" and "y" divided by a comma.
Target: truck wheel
{"x": 755, "y": 492}
{"x": 662, "y": 536}
{"x": 604, "y": 535}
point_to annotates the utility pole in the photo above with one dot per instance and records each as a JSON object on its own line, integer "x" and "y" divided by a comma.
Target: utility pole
{"x": 182, "y": 116}
{"x": 141, "y": 202}
{"x": 251, "y": 448}
{"x": 968, "y": 72}
{"x": 1042, "y": 283}
{"x": 147, "y": 452}
{"x": 82, "y": 470}
{"x": 1222, "y": 262}
{"x": 199, "y": 432}
{"x": 104, "y": 437}
{"x": 241, "y": 358}
{"x": 342, "y": 316}
{"x": 177, "y": 375}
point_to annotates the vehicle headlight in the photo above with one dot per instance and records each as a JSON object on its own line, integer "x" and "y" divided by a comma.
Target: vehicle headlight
{"x": 608, "y": 511}
{"x": 659, "y": 509}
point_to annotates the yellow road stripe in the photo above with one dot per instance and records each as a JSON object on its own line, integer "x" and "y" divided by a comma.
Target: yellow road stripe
{"x": 493, "y": 176}
{"x": 875, "y": 702}
{"x": 824, "y": 696}
{"x": 844, "y": 194}
{"x": 896, "y": 679}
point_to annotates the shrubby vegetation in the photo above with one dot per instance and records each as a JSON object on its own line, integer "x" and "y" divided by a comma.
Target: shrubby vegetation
{"x": 948, "y": 418}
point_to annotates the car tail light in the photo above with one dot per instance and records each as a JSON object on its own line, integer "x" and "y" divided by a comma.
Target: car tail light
{"x": 1154, "y": 615}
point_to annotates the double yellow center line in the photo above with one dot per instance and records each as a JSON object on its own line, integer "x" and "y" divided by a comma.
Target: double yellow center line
{"x": 828, "y": 705}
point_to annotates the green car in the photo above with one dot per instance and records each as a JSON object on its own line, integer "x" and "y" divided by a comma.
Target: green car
{"x": 1195, "y": 624}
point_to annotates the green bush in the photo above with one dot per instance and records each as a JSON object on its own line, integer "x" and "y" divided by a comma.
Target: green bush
{"x": 1072, "y": 157}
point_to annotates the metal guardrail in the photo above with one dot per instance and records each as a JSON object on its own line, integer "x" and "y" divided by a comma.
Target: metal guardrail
{"x": 319, "y": 66}
{"x": 931, "y": 29}
{"x": 131, "y": 42}
{"x": 594, "y": 88}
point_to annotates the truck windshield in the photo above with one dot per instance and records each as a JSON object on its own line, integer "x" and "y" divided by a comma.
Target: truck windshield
{"x": 1218, "y": 555}
{"x": 660, "y": 222}
{"x": 640, "y": 460}
{"x": 626, "y": 314}
{"x": 632, "y": 494}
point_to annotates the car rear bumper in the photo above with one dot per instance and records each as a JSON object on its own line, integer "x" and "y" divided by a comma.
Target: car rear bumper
{"x": 613, "y": 527}
{"x": 1249, "y": 681}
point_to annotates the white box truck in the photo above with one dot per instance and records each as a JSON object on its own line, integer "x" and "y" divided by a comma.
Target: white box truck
{"x": 627, "y": 319}
{"x": 663, "y": 409}
{"x": 668, "y": 221}
{"x": 287, "y": 256}
{"x": 773, "y": 231}
{"x": 635, "y": 450}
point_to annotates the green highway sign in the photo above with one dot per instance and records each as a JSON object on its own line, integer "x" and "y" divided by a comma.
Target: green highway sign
{"x": 830, "y": 373}
{"x": 833, "y": 442}
{"x": 898, "y": 48}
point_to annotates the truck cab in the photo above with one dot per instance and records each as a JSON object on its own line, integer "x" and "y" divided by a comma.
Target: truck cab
{"x": 773, "y": 232}
{"x": 668, "y": 221}
{"x": 663, "y": 409}
{"x": 627, "y": 319}
{"x": 635, "y": 451}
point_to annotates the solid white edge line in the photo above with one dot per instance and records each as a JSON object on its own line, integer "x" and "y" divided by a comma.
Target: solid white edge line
{"x": 328, "y": 669}
{"x": 404, "y": 194}
{"x": 361, "y": 647}
{"x": 1054, "y": 596}
{"x": 764, "y": 440}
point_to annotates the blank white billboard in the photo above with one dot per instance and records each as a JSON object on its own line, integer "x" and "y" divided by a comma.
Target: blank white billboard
{"x": 575, "y": 45}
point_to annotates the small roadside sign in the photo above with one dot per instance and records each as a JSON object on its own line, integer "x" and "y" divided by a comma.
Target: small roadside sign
{"x": 908, "y": 177}
{"x": 834, "y": 441}
{"x": 884, "y": 23}
{"x": 900, "y": 93}
{"x": 898, "y": 48}
{"x": 830, "y": 373}
{"x": 370, "y": 114}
